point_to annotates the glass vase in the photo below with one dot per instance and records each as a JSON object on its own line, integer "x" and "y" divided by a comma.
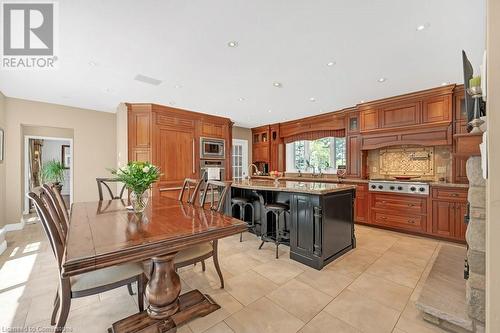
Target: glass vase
{"x": 139, "y": 201}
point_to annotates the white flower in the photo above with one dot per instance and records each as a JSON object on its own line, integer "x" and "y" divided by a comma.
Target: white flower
{"x": 145, "y": 169}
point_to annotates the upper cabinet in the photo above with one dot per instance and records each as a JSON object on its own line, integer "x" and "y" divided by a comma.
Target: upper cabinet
{"x": 400, "y": 114}
{"x": 261, "y": 145}
{"x": 212, "y": 130}
{"x": 437, "y": 109}
{"x": 369, "y": 120}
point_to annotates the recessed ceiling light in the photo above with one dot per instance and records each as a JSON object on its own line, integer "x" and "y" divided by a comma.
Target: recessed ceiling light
{"x": 277, "y": 84}
{"x": 93, "y": 63}
{"x": 109, "y": 90}
{"x": 241, "y": 99}
{"x": 232, "y": 43}
{"x": 269, "y": 111}
{"x": 445, "y": 83}
{"x": 331, "y": 63}
{"x": 312, "y": 99}
{"x": 177, "y": 86}
{"x": 382, "y": 79}
{"x": 423, "y": 27}
{"x": 362, "y": 101}
{"x": 171, "y": 103}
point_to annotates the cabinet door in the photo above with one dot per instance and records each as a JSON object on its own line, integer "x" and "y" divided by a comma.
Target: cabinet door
{"x": 369, "y": 120}
{"x": 460, "y": 226}
{"x": 437, "y": 109}
{"x": 141, "y": 155}
{"x": 302, "y": 215}
{"x": 140, "y": 129}
{"x": 354, "y": 156}
{"x": 361, "y": 204}
{"x": 460, "y": 169}
{"x": 176, "y": 154}
{"x": 443, "y": 218}
{"x": 212, "y": 130}
{"x": 460, "y": 112}
{"x": 400, "y": 115}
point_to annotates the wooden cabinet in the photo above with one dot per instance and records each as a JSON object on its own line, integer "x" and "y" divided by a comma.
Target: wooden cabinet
{"x": 361, "y": 203}
{"x": 261, "y": 144}
{"x": 437, "y": 109}
{"x": 369, "y": 120}
{"x": 276, "y": 149}
{"x": 448, "y": 210}
{"x": 399, "y": 115}
{"x": 354, "y": 156}
{"x": 212, "y": 130}
{"x": 140, "y": 134}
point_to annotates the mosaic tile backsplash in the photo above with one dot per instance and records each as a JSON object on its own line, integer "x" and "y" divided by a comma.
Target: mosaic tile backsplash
{"x": 428, "y": 163}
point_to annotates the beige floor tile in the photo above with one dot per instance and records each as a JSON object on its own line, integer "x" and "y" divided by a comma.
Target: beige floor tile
{"x": 197, "y": 279}
{"x": 411, "y": 321}
{"x": 228, "y": 303}
{"x": 405, "y": 273}
{"x": 378, "y": 243}
{"x": 327, "y": 281}
{"x": 263, "y": 316}
{"x": 219, "y": 328}
{"x": 249, "y": 287}
{"x": 238, "y": 263}
{"x": 278, "y": 271}
{"x": 397, "y": 330}
{"x": 325, "y": 323}
{"x": 354, "y": 263}
{"x": 363, "y": 313}
{"x": 384, "y": 291}
{"x": 301, "y": 300}
{"x": 184, "y": 329}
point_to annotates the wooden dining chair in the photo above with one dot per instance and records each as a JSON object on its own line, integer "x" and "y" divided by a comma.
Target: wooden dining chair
{"x": 189, "y": 184}
{"x": 106, "y": 182}
{"x": 85, "y": 284}
{"x": 201, "y": 252}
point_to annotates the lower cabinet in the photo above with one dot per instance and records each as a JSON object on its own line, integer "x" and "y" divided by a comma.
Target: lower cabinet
{"x": 449, "y": 207}
{"x": 361, "y": 203}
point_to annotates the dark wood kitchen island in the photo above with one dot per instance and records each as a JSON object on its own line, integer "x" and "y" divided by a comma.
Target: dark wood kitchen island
{"x": 320, "y": 221}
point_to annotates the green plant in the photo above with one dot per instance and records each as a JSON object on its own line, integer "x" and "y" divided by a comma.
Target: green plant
{"x": 137, "y": 176}
{"x": 53, "y": 171}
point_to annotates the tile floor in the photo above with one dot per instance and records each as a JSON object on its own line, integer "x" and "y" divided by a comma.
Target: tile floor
{"x": 371, "y": 289}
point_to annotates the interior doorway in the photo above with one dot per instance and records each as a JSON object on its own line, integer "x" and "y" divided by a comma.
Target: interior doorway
{"x": 240, "y": 159}
{"x": 47, "y": 159}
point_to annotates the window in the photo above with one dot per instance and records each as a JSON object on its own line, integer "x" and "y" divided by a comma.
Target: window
{"x": 240, "y": 159}
{"x": 322, "y": 155}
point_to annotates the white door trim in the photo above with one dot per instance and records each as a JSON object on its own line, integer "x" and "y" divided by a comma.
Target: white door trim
{"x": 244, "y": 144}
{"x": 26, "y": 165}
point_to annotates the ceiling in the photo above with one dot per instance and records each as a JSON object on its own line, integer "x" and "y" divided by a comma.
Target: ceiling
{"x": 184, "y": 43}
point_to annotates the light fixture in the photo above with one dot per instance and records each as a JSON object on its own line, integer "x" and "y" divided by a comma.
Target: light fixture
{"x": 171, "y": 103}
{"x": 277, "y": 84}
{"x": 331, "y": 63}
{"x": 241, "y": 99}
{"x": 445, "y": 83}
{"x": 177, "y": 86}
{"x": 269, "y": 111}
{"x": 109, "y": 90}
{"x": 423, "y": 27}
{"x": 362, "y": 101}
{"x": 312, "y": 99}
{"x": 93, "y": 63}
{"x": 382, "y": 79}
{"x": 232, "y": 43}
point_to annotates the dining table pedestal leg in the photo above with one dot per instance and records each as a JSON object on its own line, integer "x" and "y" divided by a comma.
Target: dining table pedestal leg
{"x": 166, "y": 309}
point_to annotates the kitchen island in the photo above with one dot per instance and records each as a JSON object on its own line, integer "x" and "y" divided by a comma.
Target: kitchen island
{"x": 320, "y": 221}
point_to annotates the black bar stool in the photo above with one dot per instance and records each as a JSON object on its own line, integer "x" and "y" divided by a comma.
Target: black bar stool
{"x": 278, "y": 235}
{"x": 242, "y": 203}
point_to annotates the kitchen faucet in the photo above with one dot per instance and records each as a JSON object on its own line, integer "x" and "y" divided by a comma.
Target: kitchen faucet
{"x": 251, "y": 173}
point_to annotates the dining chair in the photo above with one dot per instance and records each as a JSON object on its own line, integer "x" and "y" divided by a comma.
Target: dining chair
{"x": 106, "y": 182}
{"x": 201, "y": 252}
{"x": 85, "y": 284}
{"x": 189, "y": 184}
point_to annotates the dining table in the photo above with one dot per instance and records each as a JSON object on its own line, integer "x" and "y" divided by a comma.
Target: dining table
{"x": 106, "y": 233}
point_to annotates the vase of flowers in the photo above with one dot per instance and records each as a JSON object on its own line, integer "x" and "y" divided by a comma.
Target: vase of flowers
{"x": 138, "y": 178}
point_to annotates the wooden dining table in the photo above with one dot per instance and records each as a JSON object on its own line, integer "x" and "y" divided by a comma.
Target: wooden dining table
{"x": 104, "y": 233}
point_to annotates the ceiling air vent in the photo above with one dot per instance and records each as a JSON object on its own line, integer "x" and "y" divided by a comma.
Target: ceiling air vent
{"x": 147, "y": 79}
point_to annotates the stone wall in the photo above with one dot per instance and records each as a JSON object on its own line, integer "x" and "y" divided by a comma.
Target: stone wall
{"x": 476, "y": 240}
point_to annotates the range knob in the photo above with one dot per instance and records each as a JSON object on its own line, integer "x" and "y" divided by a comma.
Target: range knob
{"x": 374, "y": 187}
{"x": 422, "y": 189}
{"x": 413, "y": 188}
{"x": 400, "y": 188}
{"x": 392, "y": 188}
{"x": 380, "y": 187}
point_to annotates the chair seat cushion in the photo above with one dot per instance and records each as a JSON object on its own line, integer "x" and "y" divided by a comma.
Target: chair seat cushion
{"x": 193, "y": 252}
{"x": 237, "y": 200}
{"x": 276, "y": 206}
{"x": 105, "y": 276}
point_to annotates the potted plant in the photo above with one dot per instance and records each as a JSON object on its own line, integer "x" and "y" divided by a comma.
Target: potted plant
{"x": 138, "y": 178}
{"x": 53, "y": 171}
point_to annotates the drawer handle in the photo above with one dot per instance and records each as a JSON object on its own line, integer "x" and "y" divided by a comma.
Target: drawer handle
{"x": 384, "y": 202}
{"x": 384, "y": 218}
{"x": 411, "y": 221}
{"x": 454, "y": 194}
{"x": 411, "y": 205}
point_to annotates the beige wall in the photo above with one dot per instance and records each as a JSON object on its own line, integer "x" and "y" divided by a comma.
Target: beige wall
{"x": 2, "y": 165}
{"x": 94, "y": 146}
{"x": 244, "y": 134}
{"x": 493, "y": 184}
{"x": 121, "y": 135}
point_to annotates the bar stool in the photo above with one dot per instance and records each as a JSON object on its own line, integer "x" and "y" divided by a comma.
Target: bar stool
{"x": 277, "y": 209}
{"x": 242, "y": 203}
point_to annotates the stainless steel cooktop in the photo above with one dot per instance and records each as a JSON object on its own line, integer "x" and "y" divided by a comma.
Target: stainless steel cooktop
{"x": 397, "y": 186}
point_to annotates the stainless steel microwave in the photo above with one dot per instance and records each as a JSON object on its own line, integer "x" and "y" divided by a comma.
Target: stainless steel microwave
{"x": 212, "y": 148}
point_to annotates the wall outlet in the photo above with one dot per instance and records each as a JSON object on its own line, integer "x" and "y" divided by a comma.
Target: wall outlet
{"x": 374, "y": 169}
{"x": 441, "y": 169}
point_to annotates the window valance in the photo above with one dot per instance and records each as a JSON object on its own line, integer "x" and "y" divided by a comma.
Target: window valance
{"x": 315, "y": 135}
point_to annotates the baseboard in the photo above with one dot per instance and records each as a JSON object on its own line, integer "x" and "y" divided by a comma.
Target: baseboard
{"x": 3, "y": 242}
{"x": 15, "y": 226}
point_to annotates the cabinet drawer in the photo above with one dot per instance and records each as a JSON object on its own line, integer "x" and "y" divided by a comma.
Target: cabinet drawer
{"x": 407, "y": 222}
{"x": 458, "y": 194}
{"x": 400, "y": 203}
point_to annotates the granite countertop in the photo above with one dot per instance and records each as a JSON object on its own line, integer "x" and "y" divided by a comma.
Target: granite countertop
{"x": 318, "y": 188}
{"x": 334, "y": 180}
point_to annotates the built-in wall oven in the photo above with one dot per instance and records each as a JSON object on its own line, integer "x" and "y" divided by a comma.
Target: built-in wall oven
{"x": 211, "y": 148}
{"x": 213, "y": 169}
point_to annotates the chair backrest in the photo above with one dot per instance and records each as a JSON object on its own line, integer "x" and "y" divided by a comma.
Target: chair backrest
{"x": 189, "y": 184}
{"x": 105, "y": 182}
{"x": 51, "y": 223}
{"x": 59, "y": 204}
{"x": 215, "y": 187}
